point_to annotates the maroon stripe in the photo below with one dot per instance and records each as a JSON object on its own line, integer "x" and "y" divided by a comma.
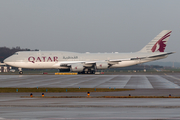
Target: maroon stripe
{"x": 161, "y": 39}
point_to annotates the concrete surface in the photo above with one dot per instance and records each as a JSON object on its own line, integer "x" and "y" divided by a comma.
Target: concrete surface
{"x": 88, "y": 108}
{"x": 13, "y": 106}
{"x": 92, "y": 81}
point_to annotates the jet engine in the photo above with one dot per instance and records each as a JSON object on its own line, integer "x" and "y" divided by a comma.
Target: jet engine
{"x": 77, "y": 67}
{"x": 102, "y": 65}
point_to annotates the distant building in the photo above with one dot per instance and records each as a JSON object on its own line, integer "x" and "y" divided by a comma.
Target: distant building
{"x": 5, "y": 68}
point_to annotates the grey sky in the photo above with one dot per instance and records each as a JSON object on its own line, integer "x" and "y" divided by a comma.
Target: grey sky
{"x": 89, "y": 25}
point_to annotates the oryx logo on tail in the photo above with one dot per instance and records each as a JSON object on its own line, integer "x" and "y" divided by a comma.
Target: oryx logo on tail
{"x": 161, "y": 43}
{"x": 158, "y": 44}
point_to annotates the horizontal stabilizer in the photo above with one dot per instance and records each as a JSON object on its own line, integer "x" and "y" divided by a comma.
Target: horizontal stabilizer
{"x": 161, "y": 55}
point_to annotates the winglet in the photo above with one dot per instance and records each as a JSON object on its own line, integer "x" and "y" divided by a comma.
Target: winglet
{"x": 158, "y": 44}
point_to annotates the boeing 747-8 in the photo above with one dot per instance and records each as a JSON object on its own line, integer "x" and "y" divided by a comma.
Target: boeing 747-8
{"x": 87, "y": 63}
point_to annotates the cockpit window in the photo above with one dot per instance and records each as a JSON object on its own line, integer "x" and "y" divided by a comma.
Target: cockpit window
{"x": 15, "y": 54}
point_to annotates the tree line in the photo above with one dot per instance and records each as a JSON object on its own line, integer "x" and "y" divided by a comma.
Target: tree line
{"x": 6, "y": 52}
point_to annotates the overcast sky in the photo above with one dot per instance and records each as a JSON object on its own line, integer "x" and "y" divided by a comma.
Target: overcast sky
{"x": 89, "y": 25}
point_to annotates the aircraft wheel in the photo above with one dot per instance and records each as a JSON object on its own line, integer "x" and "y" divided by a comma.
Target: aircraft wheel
{"x": 20, "y": 72}
{"x": 81, "y": 72}
{"x": 92, "y": 72}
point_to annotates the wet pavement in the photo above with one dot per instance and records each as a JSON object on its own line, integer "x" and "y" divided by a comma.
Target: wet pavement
{"x": 89, "y": 108}
{"x": 92, "y": 81}
{"x": 14, "y": 106}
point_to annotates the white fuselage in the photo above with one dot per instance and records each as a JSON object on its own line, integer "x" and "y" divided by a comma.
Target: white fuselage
{"x": 56, "y": 59}
{"x": 84, "y": 63}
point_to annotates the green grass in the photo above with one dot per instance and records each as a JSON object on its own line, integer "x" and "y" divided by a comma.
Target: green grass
{"x": 13, "y": 90}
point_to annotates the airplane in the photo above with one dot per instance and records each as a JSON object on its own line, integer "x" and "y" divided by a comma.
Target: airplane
{"x": 88, "y": 63}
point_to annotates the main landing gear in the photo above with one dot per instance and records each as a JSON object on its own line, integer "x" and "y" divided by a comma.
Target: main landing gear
{"x": 87, "y": 72}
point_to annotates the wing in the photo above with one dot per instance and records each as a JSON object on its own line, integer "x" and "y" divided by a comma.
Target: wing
{"x": 112, "y": 61}
{"x": 153, "y": 56}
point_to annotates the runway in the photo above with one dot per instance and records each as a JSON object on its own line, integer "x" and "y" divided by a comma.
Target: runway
{"x": 14, "y": 106}
{"x": 88, "y": 108}
{"x": 92, "y": 81}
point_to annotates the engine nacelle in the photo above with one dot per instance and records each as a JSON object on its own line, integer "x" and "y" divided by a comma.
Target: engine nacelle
{"x": 77, "y": 67}
{"x": 102, "y": 65}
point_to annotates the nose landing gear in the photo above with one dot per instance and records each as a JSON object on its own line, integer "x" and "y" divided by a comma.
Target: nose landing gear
{"x": 20, "y": 71}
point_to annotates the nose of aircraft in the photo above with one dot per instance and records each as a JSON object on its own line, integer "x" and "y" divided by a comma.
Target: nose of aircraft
{"x": 6, "y": 60}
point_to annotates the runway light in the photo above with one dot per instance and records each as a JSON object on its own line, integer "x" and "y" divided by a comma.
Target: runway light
{"x": 16, "y": 90}
{"x": 129, "y": 95}
{"x": 46, "y": 90}
{"x": 169, "y": 95}
{"x": 88, "y": 94}
{"x": 79, "y": 87}
{"x": 95, "y": 89}
{"x": 66, "y": 90}
{"x": 42, "y": 94}
{"x": 31, "y": 95}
